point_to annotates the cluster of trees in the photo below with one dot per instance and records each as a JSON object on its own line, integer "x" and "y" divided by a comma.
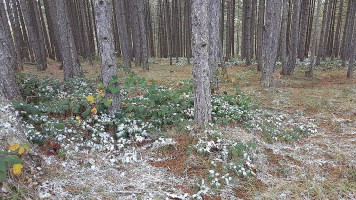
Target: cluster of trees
{"x": 210, "y": 31}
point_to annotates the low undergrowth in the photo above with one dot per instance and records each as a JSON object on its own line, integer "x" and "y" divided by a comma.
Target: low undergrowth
{"x": 74, "y": 116}
{"x": 76, "y": 112}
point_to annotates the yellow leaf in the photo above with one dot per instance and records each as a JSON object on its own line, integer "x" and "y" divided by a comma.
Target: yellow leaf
{"x": 77, "y": 118}
{"x": 99, "y": 91}
{"x": 110, "y": 100}
{"x": 102, "y": 94}
{"x": 14, "y": 147}
{"x": 90, "y": 98}
{"x": 16, "y": 169}
{"x": 21, "y": 150}
{"x": 94, "y": 111}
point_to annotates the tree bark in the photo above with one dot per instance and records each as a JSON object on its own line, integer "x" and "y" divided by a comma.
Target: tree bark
{"x": 103, "y": 15}
{"x": 314, "y": 41}
{"x": 34, "y": 32}
{"x": 350, "y": 70}
{"x": 121, "y": 24}
{"x": 8, "y": 85}
{"x": 135, "y": 27}
{"x": 322, "y": 33}
{"x": 261, "y": 20}
{"x": 143, "y": 35}
{"x": 248, "y": 32}
{"x": 15, "y": 27}
{"x": 52, "y": 30}
{"x": 303, "y": 29}
{"x": 283, "y": 48}
{"x": 215, "y": 54}
{"x": 200, "y": 44}
{"x": 336, "y": 47}
{"x": 271, "y": 37}
{"x": 292, "y": 58}
{"x": 71, "y": 66}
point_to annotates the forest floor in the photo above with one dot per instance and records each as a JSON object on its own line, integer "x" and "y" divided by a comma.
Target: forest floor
{"x": 321, "y": 166}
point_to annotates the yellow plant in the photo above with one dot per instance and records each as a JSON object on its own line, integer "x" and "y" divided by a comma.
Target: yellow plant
{"x": 16, "y": 169}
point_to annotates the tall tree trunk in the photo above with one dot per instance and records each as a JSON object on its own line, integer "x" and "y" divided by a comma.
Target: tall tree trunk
{"x": 49, "y": 52}
{"x": 310, "y": 27}
{"x": 271, "y": 36}
{"x": 248, "y": 32}
{"x": 314, "y": 41}
{"x": 103, "y": 15}
{"x": 344, "y": 35}
{"x": 352, "y": 47}
{"x": 8, "y": 85}
{"x": 121, "y": 24}
{"x": 71, "y": 66}
{"x": 303, "y": 29}
{"x": 215, "y": 54}
{"x": 52, "y": 30}
{"x": 336, "y": 47}
{"x": 292, "y": 58}
{"x": 327, "y": 29}
{"x": 200, "y": 44}
{"x": 261, "y": 20}
{"x": 322, "y": 33}
{"x": 26, "y": 50}
{"x": 283, "y": 48}
{"x": 135, "y": 26}
{"x": 15, "y": 27}
{"x": 34, "y": 32}
{"x": 143, "y": 35}
{"x": 348, "y": 32}
{"x": 227, "y": 34}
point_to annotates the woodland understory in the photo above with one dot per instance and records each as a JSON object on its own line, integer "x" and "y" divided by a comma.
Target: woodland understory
{"x": 177, "y": 99}
{"x": 298, "y": 141}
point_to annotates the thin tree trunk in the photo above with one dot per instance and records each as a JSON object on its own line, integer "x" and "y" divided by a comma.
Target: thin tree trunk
{"x": 26, "y": 50}
{"x": 350, "y": 70}
{"x": 322, "y": 33}
{"x": 336, "y": 47}
{"x": 121, "y": 24}
{"x": 314, "y": 41}
{"x": 248, "y": 32}
{"x": 284, "y": 28}
{"x": 15, "y": 27}
{"x": 143, "y": 35}
{"x": 71, "y": 66}
{"x": 292, "y": 58}
{"x": 52, "y": 30}
{"x": 303, "y": 29}
{"x": 261, "y": 19}
{"x": 34, "y": 32}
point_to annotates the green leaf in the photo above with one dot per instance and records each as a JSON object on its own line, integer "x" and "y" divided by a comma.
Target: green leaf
{"x": 75, "y": 109}
{"x": 101, "y": 85}
{"x": 3, "y": 153}
{"x": 59, "y": 126}
{"x": 16, "y": 104}
{"x": 86, "y": 112}
{"x": 13, "y": 159}
{"x": 2, "y": 176}
{"x": 107, "y": 103}
{"x": 3, "y": 166}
